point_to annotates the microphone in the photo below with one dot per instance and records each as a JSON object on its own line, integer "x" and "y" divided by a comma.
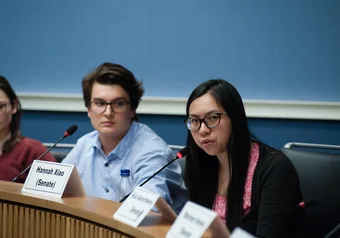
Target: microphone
{"x": 302, "y": 204}
{"x": 67, "y": 133}
{"x": 180, "y": 154}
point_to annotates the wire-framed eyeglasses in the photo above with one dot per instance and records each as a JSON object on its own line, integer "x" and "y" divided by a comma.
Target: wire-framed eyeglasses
{"x": 211, "y": 121}
{"x": 3, "y": 106}
{"x": 118, "y": 106}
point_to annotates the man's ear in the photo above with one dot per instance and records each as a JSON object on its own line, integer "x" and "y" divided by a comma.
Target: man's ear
{"x": 133, "y": 114}
{"x": 88, "y": 112}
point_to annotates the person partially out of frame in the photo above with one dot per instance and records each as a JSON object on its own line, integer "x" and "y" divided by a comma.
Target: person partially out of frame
{"x": 16, "y": 151}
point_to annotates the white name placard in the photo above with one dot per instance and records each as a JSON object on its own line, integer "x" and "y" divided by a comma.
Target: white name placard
{"x": 192, "y": 221}
{"x": 136, "y": 207}
{"x": 50, "y": 178}
{"x": 239, "y": 233}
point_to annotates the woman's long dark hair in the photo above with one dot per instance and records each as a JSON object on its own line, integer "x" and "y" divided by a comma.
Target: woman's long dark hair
{"x": 16, "y": 118}
{"x": 201, "y": 175}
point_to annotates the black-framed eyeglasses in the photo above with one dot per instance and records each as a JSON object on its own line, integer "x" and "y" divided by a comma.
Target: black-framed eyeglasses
{"x": 99, "y": 106}
{"x": 211, "y": 121}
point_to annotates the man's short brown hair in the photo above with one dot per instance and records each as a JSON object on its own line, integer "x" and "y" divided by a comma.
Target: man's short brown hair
{"x": 113, "y": 74}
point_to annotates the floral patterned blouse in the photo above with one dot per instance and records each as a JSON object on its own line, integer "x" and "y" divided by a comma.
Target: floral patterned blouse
{"x": 220, "y": 203}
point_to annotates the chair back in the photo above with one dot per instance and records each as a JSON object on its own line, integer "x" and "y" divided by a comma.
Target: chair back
{"x": 319, "y": 175}
{"x": 60, "y": 151}
{"x": 59, "y": 155}
{"x": 181, "y": 161}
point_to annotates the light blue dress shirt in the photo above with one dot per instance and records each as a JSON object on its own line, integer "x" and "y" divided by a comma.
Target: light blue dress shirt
{"x": 141, "y": 151}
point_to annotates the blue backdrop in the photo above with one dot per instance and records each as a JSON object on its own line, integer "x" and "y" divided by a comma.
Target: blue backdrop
{"x": 50, "y": 126}
{"x": 283, "y": 49}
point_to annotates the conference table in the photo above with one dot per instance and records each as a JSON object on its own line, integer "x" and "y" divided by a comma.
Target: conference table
{"x": 27, "y": 215}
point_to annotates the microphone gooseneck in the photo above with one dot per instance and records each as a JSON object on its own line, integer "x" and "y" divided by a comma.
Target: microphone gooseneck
{"x": 180, "y": 154}
{"x": 302, "y": 204}
{"x": 307, "y": 203}
{"x": 332, "y": 232}
{"x": 67, "y": 133}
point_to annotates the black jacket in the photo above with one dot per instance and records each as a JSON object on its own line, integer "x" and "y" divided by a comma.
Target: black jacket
{"x": 275, "y": 188}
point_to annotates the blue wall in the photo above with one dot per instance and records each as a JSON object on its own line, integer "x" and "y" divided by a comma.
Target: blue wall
{"x": 172, "y": 129}
{"x": 283, "y": 49}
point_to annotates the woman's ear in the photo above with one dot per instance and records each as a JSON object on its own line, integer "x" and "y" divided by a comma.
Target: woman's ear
{"x": 15, "y": 107}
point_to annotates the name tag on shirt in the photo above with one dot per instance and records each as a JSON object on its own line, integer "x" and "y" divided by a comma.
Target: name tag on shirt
{"x": 53, "y": 179}
{"x": 136, "y": 207}
{"x": 192, "y": 222}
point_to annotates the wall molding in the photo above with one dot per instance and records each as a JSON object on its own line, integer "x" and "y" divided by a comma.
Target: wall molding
{"x": 314, "y": 110}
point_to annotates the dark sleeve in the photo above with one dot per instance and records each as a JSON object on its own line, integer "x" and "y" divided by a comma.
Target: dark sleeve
{"x": 279, "y": 190}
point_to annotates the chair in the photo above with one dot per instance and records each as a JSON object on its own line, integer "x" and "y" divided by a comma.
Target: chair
{"x": 59, "y": 155}
{"x": 181, "y": 161}
{"x": 319, "y": 175}
{"x": 60, "y": 150}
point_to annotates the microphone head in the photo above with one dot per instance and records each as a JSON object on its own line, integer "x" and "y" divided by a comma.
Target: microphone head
{"x": 308, "y": 203}
{"x": 183, "y": 152}
{"x": 70, "y": 130}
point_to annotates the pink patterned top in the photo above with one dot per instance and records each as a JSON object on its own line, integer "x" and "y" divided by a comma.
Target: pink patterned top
{"x": 220, "y": 203}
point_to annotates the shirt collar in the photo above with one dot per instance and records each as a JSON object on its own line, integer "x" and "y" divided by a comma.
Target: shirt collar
{"x": 123, "y": 145}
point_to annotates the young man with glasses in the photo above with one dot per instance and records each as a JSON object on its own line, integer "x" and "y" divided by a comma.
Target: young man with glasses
{"x": 112, "y": 94}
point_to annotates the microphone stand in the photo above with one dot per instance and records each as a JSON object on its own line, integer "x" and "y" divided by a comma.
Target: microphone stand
{"x": 126, "y": 196}
{"x": 16, "y": 178}
{"x": 179, "y": 155}
{"x": 332, "y": 232}
{"x": 303, "y": 204}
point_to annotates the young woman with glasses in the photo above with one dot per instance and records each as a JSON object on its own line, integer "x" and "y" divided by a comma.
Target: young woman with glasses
{"x": 233, "y": 173}
{"x": 16, "y": 152}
